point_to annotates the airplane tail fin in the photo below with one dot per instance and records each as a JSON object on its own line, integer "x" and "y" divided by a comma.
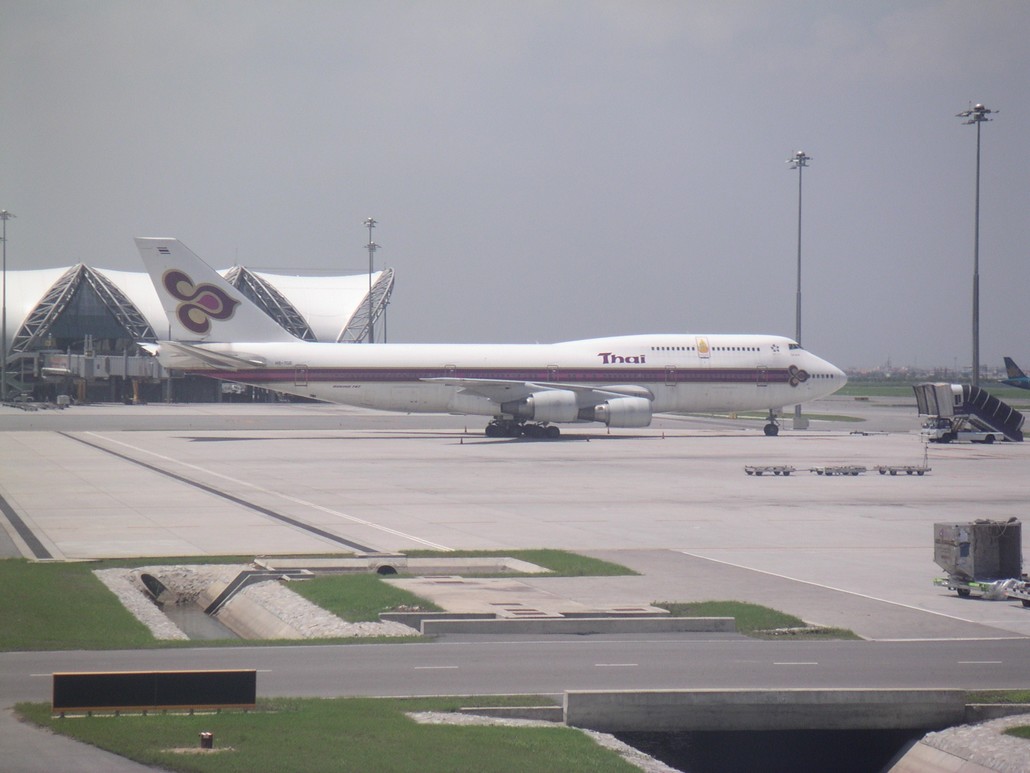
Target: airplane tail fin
{"x": 1012, "y": 369}
{"x": 199, "y": 303}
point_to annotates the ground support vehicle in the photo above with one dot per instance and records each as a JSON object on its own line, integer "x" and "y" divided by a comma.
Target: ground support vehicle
{"x": 908, "y": 469}
{"x": 964, "y": 412}
{"x": 771, "y": 469}
{"x": 1020, "y": 590}
{"x": 957, "y": 429}
{"x": 990, "y": 590}
{"x": 983, "y": 557}
{"x": 842, "y": 469}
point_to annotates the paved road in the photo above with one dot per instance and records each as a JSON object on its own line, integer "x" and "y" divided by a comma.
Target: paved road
{"x": 530, "y": 665}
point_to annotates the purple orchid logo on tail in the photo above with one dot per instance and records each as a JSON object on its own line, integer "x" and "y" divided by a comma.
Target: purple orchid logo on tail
{"x": 200, "y": 303}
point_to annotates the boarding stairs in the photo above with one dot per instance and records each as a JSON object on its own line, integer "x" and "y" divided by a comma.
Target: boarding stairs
{"x": 989, "y": 413}
{"x": 981, "y": 410}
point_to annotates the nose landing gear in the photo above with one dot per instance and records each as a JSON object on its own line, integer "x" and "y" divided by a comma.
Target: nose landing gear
{"x": 772, "y": 429}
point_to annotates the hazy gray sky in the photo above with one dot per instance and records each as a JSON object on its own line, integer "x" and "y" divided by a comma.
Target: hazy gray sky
{"x": 544, "y": 171}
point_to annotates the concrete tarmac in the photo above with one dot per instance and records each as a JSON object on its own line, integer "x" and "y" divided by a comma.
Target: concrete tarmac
{"x": 671, "y": 501}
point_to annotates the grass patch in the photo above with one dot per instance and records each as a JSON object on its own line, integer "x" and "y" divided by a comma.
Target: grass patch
{"x": 999, "y": 696}
{"x": 853, "y": 389}
{"x": 857, "y": 388}
{"x": 560, "y": 563}
{"x": 755, "y": 620}
{"x": 1022, "y": 731}
{"x": 359, "y": 597}
{"x": 759, "y": 416}
{"x": 63, "y": 606}
{"x": 299, "y": 735}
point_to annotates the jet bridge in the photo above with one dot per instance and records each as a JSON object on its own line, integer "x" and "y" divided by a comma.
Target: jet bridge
{"x": 954, "y": 409}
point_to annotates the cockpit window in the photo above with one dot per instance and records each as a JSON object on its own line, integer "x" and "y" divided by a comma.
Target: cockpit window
{"x": 794, "y": 346}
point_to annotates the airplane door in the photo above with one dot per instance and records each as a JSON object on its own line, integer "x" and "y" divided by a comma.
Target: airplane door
{"x": 300, "y": 376}
{"x": 552, "y": 372}
{"x": 670, "y": 375}
{"x": 763, "y": 376}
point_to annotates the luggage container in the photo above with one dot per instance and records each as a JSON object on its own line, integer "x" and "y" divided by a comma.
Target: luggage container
{"x": 979, "y": 557}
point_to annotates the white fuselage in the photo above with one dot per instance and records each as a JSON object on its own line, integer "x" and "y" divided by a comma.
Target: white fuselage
{"x": 677, "y": 373}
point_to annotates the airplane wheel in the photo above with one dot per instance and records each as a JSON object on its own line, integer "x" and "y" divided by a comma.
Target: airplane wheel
{"x": 494, "y": 430}
{"x": 771, "y": 430}
{"x": 552, "y": 432}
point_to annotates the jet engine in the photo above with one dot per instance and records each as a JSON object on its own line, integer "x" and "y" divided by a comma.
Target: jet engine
{"x": 552, "y": 405}
{"x": 620, "y": 412}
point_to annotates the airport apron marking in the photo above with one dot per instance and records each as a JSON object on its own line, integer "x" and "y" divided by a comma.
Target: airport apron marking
{"x": 225, "y": 495}
{"x": 295, "y": 500}
{"x": 31, "y": 540}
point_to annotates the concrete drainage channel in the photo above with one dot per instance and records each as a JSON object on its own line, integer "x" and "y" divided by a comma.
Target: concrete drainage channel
{"x": 184, "y": 611}
{"x": 251, "y": 601}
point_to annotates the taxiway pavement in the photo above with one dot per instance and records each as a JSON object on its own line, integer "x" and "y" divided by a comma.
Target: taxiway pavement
{"x": 671, "y": 501}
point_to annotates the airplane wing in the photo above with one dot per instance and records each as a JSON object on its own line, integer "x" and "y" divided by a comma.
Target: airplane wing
{"x": 173, "y": 354}
{"x": 502, "y": 391}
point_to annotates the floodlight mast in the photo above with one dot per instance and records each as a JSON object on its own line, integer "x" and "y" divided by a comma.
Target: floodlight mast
{"x": 798, "y": 161}
{"x": 4, "y": 216}
{"x": 976, "y": 114}
{"x": 370, "y": 223}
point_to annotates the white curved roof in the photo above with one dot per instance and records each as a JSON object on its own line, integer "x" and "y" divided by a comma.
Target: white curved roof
{"x": 140, "y": 290}
{"x": 25, "y": 289}
{"x": 326, "y": 302}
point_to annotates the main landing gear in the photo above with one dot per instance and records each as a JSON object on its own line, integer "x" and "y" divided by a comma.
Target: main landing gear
{"x": 772, "y": 429}
{"x": 511, "y": 428}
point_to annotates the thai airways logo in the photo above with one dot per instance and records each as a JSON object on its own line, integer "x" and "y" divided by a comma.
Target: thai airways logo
{"x": 200, "y": 303}
{"x": 796, "y": 375}
{"x": 610, "y": 358}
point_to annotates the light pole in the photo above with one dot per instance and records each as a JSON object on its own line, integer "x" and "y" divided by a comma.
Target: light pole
{"x": 976, "y": 114}
{"x": 798, "y": 161}
{"x": 370, "y": 223}
{"x": 5, "y": 216}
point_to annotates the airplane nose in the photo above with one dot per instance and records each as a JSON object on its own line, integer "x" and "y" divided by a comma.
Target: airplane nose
{"x": 837, "y": 378}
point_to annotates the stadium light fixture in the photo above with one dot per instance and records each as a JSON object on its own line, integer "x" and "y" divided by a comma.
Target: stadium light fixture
{"x": 976, "y": 115}
{"x": 798, "y": 161}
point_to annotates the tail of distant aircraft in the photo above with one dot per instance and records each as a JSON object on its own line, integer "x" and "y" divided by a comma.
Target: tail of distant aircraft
{"x": 1016, "y": 377}
{"x": 199, "y": 303}
{"x": 1013, "y": 370}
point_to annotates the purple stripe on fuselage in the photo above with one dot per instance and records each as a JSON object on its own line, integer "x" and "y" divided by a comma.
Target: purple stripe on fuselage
{"x": 584, "y": 376}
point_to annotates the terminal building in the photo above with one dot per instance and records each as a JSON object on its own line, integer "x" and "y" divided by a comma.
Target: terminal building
{"x": 74, "y": 333}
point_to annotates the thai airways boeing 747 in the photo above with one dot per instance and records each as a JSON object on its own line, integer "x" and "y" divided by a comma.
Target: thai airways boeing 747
{"x": 526, "y": 389}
